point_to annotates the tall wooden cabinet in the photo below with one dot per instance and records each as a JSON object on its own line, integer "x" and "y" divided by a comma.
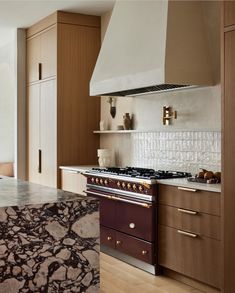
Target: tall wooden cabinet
{"x": 61, "y": 53}
{"x": 228, "y": 146}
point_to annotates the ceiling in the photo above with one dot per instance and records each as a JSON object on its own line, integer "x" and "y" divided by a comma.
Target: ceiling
{"x": 22, "y": 14}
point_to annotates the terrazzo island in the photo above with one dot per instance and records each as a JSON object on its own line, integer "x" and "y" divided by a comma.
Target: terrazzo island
{"x": 49, "y": 239}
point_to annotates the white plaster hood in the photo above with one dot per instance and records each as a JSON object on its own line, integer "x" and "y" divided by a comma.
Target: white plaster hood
{"x": 153, "y": 46}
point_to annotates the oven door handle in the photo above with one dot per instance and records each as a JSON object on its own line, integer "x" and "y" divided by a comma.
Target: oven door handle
{"x": 98, "y": 194}
{"x": 145, "y": 205}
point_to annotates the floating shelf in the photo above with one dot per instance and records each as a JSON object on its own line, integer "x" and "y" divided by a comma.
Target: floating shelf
{"x": 115, "y": 131}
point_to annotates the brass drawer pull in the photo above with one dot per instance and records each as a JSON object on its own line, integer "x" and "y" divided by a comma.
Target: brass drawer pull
{"x": 187, "y": 189}
{"x": 187, "y": 212}
{"x": 144, "y": 252}
{"x": 109, "y": 238}
{"x": 118, "y": 242}
{"x": 132, "y": 225}
{"x": 187, "y": 233}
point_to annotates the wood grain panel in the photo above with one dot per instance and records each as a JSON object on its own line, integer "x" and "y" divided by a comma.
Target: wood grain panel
{"x": 229, "y": 161}
{"x": 229, "y": 13}
{"x": 200, "y": 223}
{"x": 33, "y": 58}
{"x": 78, "y": 19}
{"x": 201, "y": 201}
{"x": 48, "y": 132}
{"x": 42, "y": 24}
{"x": 49, "y": 52}
{"x": 197, "y": 258}
{"x": 78, "y": 113}
{"x": 33, "y": 132}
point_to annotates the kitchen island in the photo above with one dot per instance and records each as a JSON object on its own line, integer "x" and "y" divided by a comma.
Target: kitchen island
{"x": 49, "y": 239}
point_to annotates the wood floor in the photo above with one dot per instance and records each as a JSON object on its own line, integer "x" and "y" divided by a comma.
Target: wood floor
{"x": 119, "y": 277}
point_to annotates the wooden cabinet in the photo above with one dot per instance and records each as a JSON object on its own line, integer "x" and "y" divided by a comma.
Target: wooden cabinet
{"x": 189, "y": 233}
{"x": 42, "y": 133}
{"x": 229, "y": 13}
{"x": 73, "y": 181}
{"x": 41, "y": 55}
{"x": 61, "y": 54}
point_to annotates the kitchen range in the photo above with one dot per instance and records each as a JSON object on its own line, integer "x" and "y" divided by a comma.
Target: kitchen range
{"x": 128, "y": 220}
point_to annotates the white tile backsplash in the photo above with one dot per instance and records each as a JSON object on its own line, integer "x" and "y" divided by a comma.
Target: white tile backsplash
{"x": 181, "y": 150}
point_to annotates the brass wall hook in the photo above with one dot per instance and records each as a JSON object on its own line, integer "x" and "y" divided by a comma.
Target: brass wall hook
{"x": 168, "y": 115}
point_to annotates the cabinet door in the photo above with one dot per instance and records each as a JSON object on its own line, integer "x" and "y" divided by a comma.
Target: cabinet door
{"x": 73, "y": 181}
{"x": 48, "y": 53}
{"x": 33, "y": 132}
{"x": 33, "y": 58}
{"x": 229, "y": 13}
{"x": 48, "y": 133}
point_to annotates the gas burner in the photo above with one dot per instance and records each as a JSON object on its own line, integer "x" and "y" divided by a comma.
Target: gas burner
{"x": 141, "y": 173}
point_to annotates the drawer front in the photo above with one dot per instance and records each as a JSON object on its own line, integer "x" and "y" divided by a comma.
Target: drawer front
{"x": 198, "y": 257}
{"x": 107, "y": 237}
{"x": 195, "y": 222}
{"x": 198, "y": 200}
{"x": 134, "y": 247}
{"x": 135, "y": 220}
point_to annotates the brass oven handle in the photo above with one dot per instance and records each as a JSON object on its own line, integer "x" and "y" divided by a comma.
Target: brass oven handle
{"x": 145, "y": 205}
{"x": 132, "y": 225}
{"x": 187, "y": 189}
{"x": 98, "y": 194}
{"x": 187, "y": 212}
{"x": 187, "y": 233}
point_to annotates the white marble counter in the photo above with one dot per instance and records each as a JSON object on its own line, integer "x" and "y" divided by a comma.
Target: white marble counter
{"x": 78, "y": 169}
{"x": 182, "y": 182}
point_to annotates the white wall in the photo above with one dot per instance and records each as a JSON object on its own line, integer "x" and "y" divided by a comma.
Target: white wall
{"x": 7, "y": 94}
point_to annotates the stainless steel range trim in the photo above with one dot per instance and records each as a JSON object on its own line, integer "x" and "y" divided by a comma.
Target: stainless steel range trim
{"x": 125, "y": 193}
{"x": 119, "y": 177}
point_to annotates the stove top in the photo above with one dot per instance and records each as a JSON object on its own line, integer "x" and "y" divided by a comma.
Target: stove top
{"x": 141, "y": 173}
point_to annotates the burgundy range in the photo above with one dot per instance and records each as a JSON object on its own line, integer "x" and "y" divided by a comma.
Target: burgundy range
{"x": 128, "y": 209}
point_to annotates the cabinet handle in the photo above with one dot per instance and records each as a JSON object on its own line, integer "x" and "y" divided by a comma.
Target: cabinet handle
{"x": 132, "y": 225}
{"x": 144, "y": 252}
{"x": 39, "y": 71}
{"x": 187, "y": 233}
{"x": 187, "y": 189}
{"x": 39, "y": 161}
{"x": 187, "y": 212}
{"x": 118, "y": 242}
{"x": 109, "y": 238}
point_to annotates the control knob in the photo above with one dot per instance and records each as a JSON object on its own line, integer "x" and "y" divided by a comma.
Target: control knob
{"x": 92, "y": 179}
{"x": 101, "y": 181}
{"x": 118, "y": 184}
{"x": 106, "y": 182}
{"x": 97, "y": 180}
{"x": 134, "y": 187}
{"x": 140, "y": 188}
{"x": 123, "y": 185}
{"x": 129, "y": 186}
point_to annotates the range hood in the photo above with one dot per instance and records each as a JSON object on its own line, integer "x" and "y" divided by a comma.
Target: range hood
{"x": 153, "y": 46}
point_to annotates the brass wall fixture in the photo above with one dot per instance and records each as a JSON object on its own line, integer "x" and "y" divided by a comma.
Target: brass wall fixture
{"x": 112, "y": 102}
{"x": 168, "y": 115}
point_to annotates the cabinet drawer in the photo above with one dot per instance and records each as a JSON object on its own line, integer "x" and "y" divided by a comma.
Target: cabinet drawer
{"x": 192, "y": 199}
{"x": 107, "y": 237}
{"x": 195, "y": 222}
{"x": 135, "y": 220}
{"x": 198, "y": 257}
{"x": 134, "y": 247}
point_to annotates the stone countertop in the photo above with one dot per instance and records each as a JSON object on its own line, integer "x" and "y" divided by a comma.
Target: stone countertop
{"x": 15, "y": 192}
{"x": 182, "y": 182}
{"x": 78, "y": 169}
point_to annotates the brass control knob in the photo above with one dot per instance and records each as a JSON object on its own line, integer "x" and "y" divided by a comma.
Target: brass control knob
{"x": 109, "y": 238}
{"x": 118, "y": 242}
{"x": 101, "y": 181}
{"x": 144, "y": 252}
{"x": 93, "y": 179}
{"x": 97, "y": 180}
{"x": 123, "y": 184}
{"x": 129, "y": 186}
{"x": 140, "y": 188}
{"x": 106, "y": 182}
{"x": 132, "y": 225}
{"x": 118, "y": 184}
{"x": 134, "y": 187}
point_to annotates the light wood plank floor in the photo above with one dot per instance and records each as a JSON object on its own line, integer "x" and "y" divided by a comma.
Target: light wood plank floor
{"x": 119, "y": 277}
